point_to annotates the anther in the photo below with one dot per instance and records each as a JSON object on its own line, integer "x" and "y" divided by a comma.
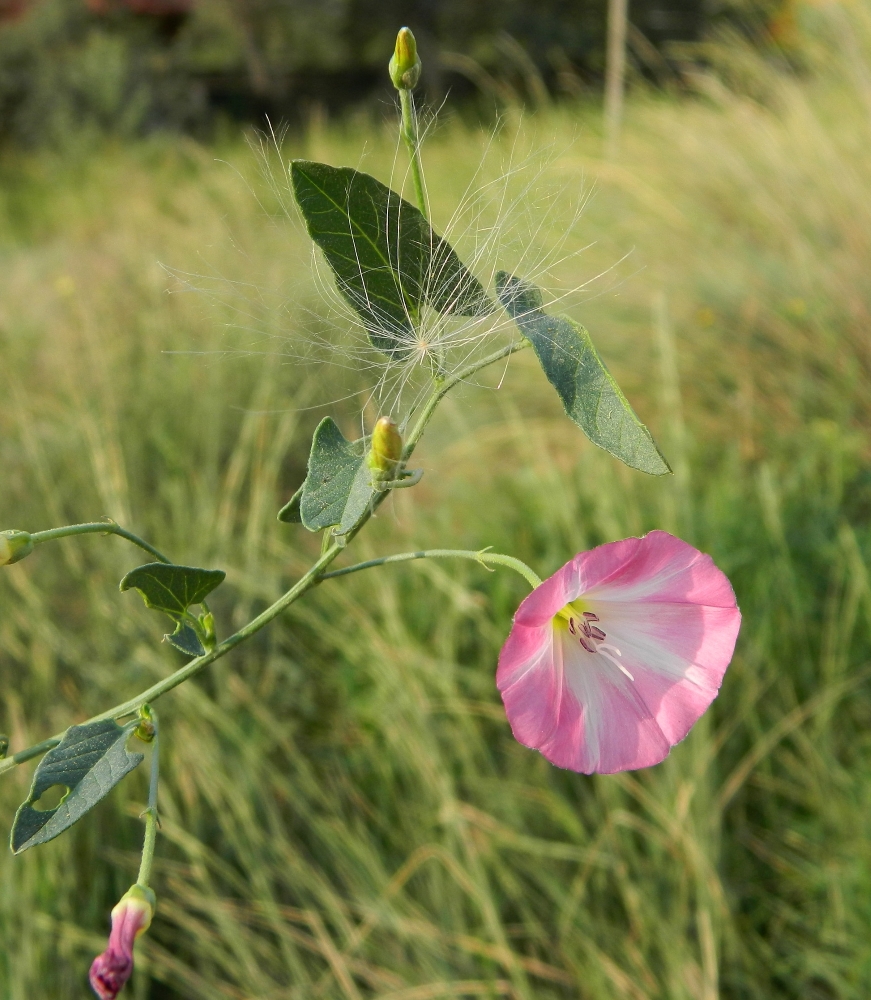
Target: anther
{"x": 572, "y": 625}
{"x": 587, "y": 630}
{"x": 597, "y": 633}
{"x": 590, "y": 616}
{"x": 586, "y": 645}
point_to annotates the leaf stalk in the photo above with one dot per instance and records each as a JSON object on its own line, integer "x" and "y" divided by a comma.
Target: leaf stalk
{"x": 98, "y": 528}
{"x": 483, "y": 556}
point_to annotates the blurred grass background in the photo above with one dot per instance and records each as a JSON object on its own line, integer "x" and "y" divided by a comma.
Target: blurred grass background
{"x": 345, "y": 814}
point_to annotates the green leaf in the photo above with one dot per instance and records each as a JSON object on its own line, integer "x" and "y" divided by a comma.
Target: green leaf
{"x": 338, "y": 488}
{"x": 574, "y": 368}
{"x": 386, "y": 258}
{"x": 186, "y": 640}
{"x": 290, "y": 512}
{"x": 89, "y": 761}
{"x": 172, "y": 589}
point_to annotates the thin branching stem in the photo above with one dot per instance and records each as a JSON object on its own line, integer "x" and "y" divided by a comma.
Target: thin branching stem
{"x": 443, "y": 387}
{"x": 412, "y": 143}
{"x": 305, "y": 583}
{"x": 484, "y": 557}
{"x": 98, "y": 528}
{"x": 150, "y": 814}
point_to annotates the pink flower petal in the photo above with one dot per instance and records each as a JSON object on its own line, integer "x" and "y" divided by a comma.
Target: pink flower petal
{"x": 657, "y": 567}
{"x": 672, "y": 616}
{"x": 554, "y": 592}
{"x": 130, "y": 917}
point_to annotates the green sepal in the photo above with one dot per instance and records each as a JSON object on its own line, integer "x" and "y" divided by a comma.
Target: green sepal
{"x": 573, "y": 366}
{"x": 386, "y": 258}
{"x": 338, "y": 488}
{"x": 172, "y": 589}
{"x": 290, "y": 513}
{"x": 89, "y": 761}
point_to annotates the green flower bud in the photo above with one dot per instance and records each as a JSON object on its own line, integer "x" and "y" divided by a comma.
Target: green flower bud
{"x": 386, "y": 448}
{"x": 207, "y": 620}
{"x": 14, "y": 546}
{"x": 405, "y": 65}
{"x": 146, "y": 728}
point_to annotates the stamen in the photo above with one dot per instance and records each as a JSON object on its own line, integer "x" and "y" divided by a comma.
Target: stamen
{"x": 606, "y": 649}
{"x": 591, "y": 636}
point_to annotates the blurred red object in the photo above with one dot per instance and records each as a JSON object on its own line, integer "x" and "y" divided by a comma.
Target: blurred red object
{"x": 10, "y": 9}
{"x": 152, "y": 8}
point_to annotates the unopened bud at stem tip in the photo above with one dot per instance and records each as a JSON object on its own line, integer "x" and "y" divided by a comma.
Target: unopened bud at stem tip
{"x": 130, "y": 917}
{"x": 405, "y": 65}
{"x": 14, "y": 546}
{"x": 385, "y": 450}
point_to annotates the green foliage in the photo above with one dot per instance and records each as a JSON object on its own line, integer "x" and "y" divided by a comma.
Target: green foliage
{"x": 88, "y": 762}
{"x": 338, "y": 488}
{"x": 67, "y": 77}
{"x": 387, "y": 260}
{"x": 186, "y": 640}
{"x": 589, "y": 393}
{"x": 290, "y": 513}
{"x": 344, "y": 806}
{"x": 173, "y": 590}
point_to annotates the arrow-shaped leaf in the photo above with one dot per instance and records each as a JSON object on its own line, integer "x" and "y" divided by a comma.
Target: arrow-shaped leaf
{"x": 172, "y": 589}
{"x": 572, "y": 364}
{"x": 338, "y": 488}
{"x": 290, "y": 512}
{"x": 386, "y": 258}
{"x": 89, "y": 761}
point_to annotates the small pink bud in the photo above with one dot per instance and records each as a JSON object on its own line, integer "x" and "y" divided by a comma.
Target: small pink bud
{"x": 130, "y": 917}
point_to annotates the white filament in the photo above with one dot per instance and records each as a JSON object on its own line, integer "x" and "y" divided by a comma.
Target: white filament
{"x": 611, "y": 653}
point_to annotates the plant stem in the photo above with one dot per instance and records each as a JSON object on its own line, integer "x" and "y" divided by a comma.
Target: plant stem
{"x": 305, "y": 583}
{"x": 30, "y": 752}
{"x": 442, "y": 388}
{"x": 482, "y": 557}
{"x": 97, "y": 528}
{"x": 150, "y": 811}
{"x": 147, "y": 848}
{"x": 412, "y": 143}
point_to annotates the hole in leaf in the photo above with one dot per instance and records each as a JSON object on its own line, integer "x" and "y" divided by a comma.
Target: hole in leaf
{"x": 51, "y": 798}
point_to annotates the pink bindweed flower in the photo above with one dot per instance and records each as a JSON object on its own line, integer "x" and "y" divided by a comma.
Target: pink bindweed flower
{"x": 613, "y": 659}
{"x": 130, "y": 917}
